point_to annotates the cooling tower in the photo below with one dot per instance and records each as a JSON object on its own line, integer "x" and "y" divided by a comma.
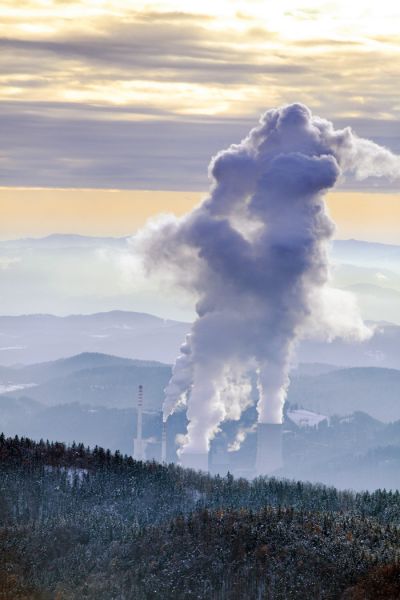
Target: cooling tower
{"x": 219, "y": 457}
{"x": 269, "y": 448}
{"x": 197, "y": 461}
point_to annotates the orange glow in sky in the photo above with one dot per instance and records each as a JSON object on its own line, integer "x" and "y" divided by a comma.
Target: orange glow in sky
{"x": 40, "y": 212}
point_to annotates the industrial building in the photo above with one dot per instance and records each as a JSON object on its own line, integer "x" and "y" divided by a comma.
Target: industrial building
{"x": 261, "y": 454}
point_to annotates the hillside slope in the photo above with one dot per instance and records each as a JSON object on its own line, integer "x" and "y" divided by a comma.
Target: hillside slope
{"x": 37, "y": 338}
{"x": 29, "y": 339}
{"x": 375, "y": 391}
{"x": 78, "y": 524}
{"x": 104, "y": 387}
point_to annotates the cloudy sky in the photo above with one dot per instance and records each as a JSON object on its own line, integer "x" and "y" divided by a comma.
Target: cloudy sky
{"x": 111, "y": 109}
{"x": 132, "y": 95}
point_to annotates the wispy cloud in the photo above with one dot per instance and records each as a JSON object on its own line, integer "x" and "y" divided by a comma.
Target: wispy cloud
{"x": 71, "y": 71}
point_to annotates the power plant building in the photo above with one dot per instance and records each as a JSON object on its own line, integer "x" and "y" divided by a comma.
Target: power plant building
{"x": 265, "y": 459}
{"x": 195, "y": 460}
{"x": 269, "y": 448}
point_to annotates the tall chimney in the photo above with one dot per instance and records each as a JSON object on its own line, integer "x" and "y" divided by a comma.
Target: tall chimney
{"x": 164, "y": 443}
{"x": 138, "y": 450}
{"x": 269, "y": 448}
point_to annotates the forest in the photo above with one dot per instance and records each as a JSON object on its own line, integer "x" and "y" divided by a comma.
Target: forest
{"x": 81, "y": 523}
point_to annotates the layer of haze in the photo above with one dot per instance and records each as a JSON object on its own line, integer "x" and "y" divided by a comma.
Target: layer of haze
{"x": 40, "y": 212}
{"x": 104, "y": 95}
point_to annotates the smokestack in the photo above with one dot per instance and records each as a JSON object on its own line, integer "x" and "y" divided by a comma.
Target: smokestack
{"x": 269, "y": 448}
{"x": 164, "y": 443}
{"x": 195, "y": 460}
{"x": 138, "y": 442}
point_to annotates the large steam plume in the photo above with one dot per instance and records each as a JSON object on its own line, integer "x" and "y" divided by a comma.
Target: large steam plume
{"x": 255, "y": 254}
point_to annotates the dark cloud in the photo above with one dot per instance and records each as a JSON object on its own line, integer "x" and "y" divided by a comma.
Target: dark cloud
{"x": 77, "y": 151}
{"x": 76, "y": 145}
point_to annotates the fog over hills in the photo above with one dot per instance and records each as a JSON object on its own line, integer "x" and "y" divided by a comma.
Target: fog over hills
{"x": 362, "y": 253}
{"x": 341, "y": 425}
{"x": 375, "y": 391}
{"x": 42, "y": 372}
{"x": 75, "y": 377}
{"x": 65, "y": 240}
{"x": 107, "y": 386}
{"x": 381, "y": 350}
{"x": 371, "y": 271}
{"x": 74, "y": 274}
{"x": 29, "y": 339}
{"x": 89, "y": 396}
{"x": 100, "y": 380}
{"x": 352, "y": 452}
{"x": 36, "y": 338}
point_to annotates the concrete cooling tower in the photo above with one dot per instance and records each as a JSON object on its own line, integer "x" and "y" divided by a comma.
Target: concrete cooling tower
{"x": 195, "y": 460}
{"x": 269, "y": 448}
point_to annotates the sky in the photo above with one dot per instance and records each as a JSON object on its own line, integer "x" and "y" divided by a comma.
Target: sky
{"x": 125, "y": 94}
{"x": 110, "y": 110}
{"x": 30, "y": 212}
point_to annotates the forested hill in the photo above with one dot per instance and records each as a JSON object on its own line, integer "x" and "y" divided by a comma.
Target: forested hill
{"x": 81, "y": 524}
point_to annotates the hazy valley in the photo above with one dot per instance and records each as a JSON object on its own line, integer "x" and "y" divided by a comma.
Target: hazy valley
{"x": 342, "y": 424}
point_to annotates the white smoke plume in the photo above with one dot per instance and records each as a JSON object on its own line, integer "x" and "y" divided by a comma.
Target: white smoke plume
{"x": 240, "y": 436}
{"x": 254, "y": 253}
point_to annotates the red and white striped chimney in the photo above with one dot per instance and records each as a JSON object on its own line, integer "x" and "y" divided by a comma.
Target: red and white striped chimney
{"x": 138, "y": 444}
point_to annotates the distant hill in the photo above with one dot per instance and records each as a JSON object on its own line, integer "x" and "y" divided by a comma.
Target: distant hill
{"x": 382, "y": 350}
{"x": 111, "y": 427}
{"x": 31, "y": 339}
{"x": 371, "y": 254}
{"x": 42, "y": 372}
{"x": 64, "y": 240}
{"x": 372, "y": 272}
{"x": 354, "y": 451}
{"x": 111, "y": 386}
{"x": 18, "y": 415}
{"x": 99, "y": 381}
{"x": 368, "y": 289}
{"x": 74, "y": 274}
{"x": 104, "y": 380}
{"x": 371, "y": 390}
{"x": 312, "y": 369}
{"x": 93, "y": 379}
{"x": 345, "y": 251}
{"x": 37, "y": 338}
{"x": 92, "y": 397}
